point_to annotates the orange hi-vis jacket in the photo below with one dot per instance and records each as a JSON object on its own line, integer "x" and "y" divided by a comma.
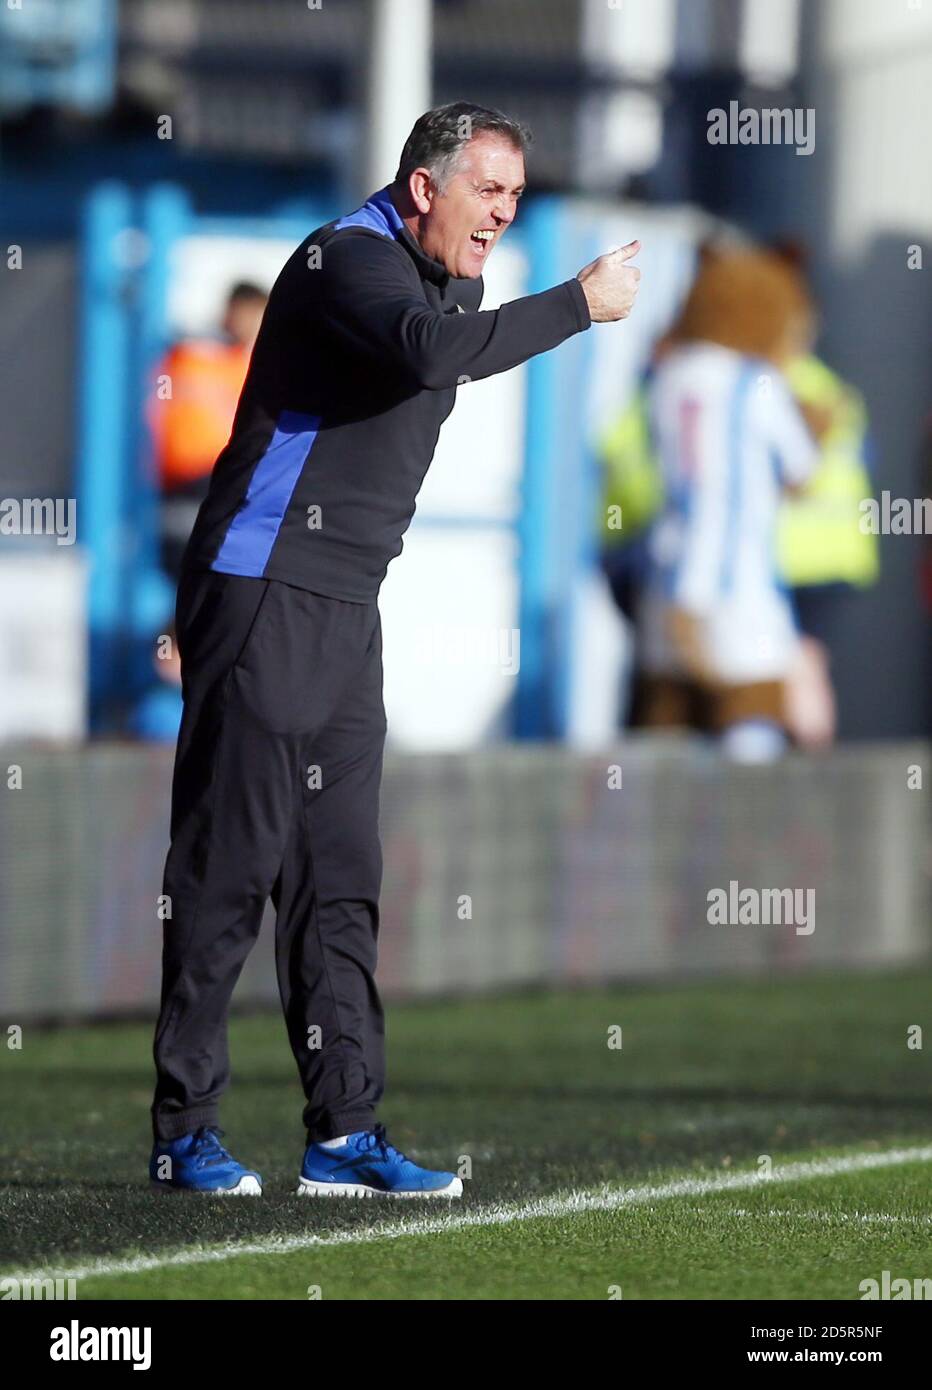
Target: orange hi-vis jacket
{"x": 197, "y": 389}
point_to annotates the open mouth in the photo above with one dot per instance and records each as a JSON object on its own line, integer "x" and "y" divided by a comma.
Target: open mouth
{"x": 482, "y": 240}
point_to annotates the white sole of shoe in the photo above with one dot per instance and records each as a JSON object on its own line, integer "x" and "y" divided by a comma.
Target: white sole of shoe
{"x": 246, "y": 1187}
{"x": 307, "y": 1187}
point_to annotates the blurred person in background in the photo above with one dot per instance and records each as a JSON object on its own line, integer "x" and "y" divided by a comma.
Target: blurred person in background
{"x": 199, "y": 381}
{"x": 156, "y": 717}
{"x": 198, "y": 385}
{"x": 717, "y": 628}
{"x": 821, "y": 553}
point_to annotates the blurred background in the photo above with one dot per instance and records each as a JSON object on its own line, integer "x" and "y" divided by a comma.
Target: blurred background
{"x": 159, "y": 160}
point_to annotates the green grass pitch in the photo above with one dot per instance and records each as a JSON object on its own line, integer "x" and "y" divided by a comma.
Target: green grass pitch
{"x": 596, "y": 1172}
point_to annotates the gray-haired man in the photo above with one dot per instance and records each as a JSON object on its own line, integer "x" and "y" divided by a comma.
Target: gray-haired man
{"x": 369, "y": 328}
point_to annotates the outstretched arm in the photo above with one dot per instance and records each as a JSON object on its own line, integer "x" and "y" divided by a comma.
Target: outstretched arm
{"x": 370, "y": 302}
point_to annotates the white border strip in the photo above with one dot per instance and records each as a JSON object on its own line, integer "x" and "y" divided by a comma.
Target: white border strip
{"x": 602, "y": 1199}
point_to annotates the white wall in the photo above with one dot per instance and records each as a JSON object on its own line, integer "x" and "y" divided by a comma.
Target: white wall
{"x": 450, "y": 601}
{"x": 43, "y": 644}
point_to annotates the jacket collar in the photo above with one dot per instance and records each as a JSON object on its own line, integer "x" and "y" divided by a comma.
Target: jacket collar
{"x": 379, "y": 214}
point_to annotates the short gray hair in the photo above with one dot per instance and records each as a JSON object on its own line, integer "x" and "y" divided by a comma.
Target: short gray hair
{"x": 439, "y": 137}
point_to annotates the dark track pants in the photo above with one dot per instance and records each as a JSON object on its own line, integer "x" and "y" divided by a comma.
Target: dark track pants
{"x": 275, "y": 793}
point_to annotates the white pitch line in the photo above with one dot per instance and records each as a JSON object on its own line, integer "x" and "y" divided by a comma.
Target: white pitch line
{"x": 602, "y": 1199}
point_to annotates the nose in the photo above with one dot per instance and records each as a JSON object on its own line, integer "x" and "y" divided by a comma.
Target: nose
{"x": 505, "y": 209}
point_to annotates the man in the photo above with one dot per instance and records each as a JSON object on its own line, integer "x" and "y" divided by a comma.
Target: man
{"x": 369, "y": 329}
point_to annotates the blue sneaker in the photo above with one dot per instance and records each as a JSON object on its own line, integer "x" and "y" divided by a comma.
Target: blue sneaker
{"x": 368, "y": 1166}
{"x": 198, "y": 1162}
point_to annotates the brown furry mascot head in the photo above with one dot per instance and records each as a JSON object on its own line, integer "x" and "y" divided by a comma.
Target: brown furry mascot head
{"x": 752, "y": 301}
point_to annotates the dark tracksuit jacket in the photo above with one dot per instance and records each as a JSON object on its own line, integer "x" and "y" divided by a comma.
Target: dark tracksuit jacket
{"x": 276, "y": 785}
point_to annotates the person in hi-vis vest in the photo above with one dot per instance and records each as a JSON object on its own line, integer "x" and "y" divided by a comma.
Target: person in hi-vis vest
{"x": 197, "y": 388}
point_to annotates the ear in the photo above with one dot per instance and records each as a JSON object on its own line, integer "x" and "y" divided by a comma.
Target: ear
{"x": 421, "y": 188}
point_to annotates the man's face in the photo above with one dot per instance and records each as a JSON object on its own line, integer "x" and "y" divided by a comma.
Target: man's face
{"x": 479, "y": 203}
